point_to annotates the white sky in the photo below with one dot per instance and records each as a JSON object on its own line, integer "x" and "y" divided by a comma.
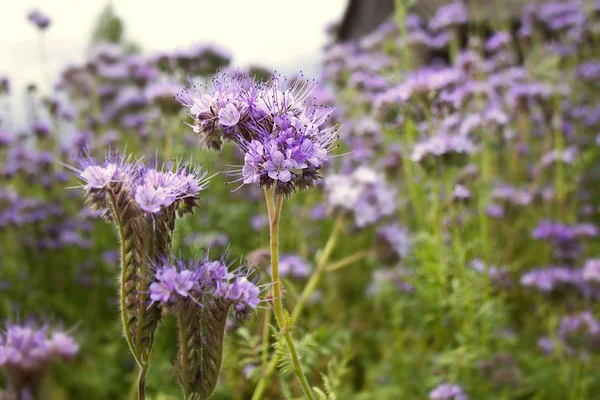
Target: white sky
{"x": 283, "y": 34}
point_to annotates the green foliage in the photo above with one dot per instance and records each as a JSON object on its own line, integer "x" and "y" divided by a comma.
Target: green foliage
{"x": 109, "y": 27}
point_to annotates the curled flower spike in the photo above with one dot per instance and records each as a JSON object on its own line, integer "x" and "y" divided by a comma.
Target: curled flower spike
{"x": 282, "y": 131}
{"x": 201, "y": 292}
{"x": 143, "y": 202}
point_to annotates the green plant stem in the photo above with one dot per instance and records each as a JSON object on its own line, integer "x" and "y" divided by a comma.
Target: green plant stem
{"x": 323, "y": 260}
{"x": 280, "y": 316}
{"x": 351, "y": 259}
{"x": 316, "y": 276}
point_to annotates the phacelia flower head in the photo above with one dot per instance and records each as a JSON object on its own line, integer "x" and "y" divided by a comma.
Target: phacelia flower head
{"x": 280, "y": 129}
{"x": 151, "y": 189}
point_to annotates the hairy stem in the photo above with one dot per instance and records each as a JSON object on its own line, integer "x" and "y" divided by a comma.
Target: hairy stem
{"x": 274, "y": 216}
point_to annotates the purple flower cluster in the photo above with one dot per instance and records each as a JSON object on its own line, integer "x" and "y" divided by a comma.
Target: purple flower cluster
{"x": 203, "y": 279}
{"x": 364, "y": 195}
{"x": 152, "y": 191}
{"x": 26, "y": 351}
{"x": 281, "y": 131}
{"x": 446, "y": 391}
{"x": 565, "y": 238}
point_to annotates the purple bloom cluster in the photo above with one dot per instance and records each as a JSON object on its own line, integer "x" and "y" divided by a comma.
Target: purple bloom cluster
{"x": 26, "y": 352}
{"x": 281, "y": 131}
{"x": 364, "y": 195}
{"x": 201, "y": 280}
{"x": 565, "y": 238}
{"x": 152, "y": 190}
{"x": 446, "y": 391}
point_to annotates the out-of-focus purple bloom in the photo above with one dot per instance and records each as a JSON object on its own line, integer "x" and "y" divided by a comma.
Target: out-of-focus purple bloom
{"x": 583, "y": 321}
{"x": 39, "y": 19}
{"x": 291, "y": 265}
{"x": 26, "y": 352}
{"x": 568, "y": 156}
{"x": 497, "y": 41}
{"x": 589, "y": 71}
{"x": 397, "y": 239}
{"x": 551, "y": 278}
{"x": 163, "y": 94}
{"x": 421, "y": 84}
{"x": 363, "y": 194}
{"x": 259, "y": 222}
{"x": 591, "y": 270}
{"x": 447, "y": 391}
{"x": 442, "y": 146}
{"x": 507, "y": 194}
{"x": 565, "y": 238}
{"x": 461, "y": 193}
{"x": 546, "y": 345}
{"x": 63, "y": 346}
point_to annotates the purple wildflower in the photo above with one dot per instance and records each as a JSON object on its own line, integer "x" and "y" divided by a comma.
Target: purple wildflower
{"x": 173, "y": 282}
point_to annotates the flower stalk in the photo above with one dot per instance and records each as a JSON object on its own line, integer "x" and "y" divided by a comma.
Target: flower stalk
{"x": 274, "y": 209}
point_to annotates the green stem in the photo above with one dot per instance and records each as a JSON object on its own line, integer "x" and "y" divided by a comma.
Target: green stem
{"x": 274, "y": 216}
{"x": 323, "y": 260}
{"x": 316, "y": 276}
{"x": 348, "y": 260}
